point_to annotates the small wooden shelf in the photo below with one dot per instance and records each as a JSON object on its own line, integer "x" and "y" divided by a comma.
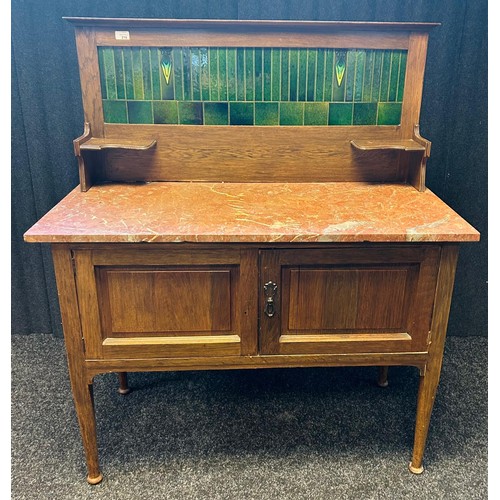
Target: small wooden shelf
{"x": 100, "y": 143}
{"x": 401, "y": 144}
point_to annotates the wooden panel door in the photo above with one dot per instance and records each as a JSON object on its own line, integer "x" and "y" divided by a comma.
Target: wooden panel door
{"x": 347, "y": 300}
{"x": 167, "y": 303}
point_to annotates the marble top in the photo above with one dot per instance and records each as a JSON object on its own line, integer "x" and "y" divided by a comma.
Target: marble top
{"x": 250, "y": 212}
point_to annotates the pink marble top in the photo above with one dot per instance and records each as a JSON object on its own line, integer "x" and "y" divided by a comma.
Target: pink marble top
{"x": 251, "y": 212}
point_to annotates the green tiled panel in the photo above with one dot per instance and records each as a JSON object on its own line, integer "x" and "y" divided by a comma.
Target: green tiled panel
{"x": 190, "y": 113}
{"x": 140, "y": 111}
{"x": 389, "y": 113}
{"x": 241, "y": 113}
{"x": 267, "y": 113}
{"x": 291, "y": 113}
{"x": 340, "y": 114}
{"x": 165, "y": 112}
{"x": 215, "y": 113}
{"x": 115, "y": 111}
{"x": 223, "y": 85}
{"x": 316, "y": 113}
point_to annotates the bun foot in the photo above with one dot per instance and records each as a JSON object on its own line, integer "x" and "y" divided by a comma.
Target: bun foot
{"x": 416, "y": 470}
{"x": 94, "y": 480}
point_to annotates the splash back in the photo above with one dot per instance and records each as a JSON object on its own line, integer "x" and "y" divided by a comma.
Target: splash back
{"x": 251, "y": 86}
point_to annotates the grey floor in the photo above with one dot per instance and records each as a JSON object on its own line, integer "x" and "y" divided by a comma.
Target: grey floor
{"x": 265, "y": 434}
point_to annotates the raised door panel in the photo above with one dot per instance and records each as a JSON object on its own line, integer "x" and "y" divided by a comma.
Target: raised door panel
{"x": 348, "y": 300}
{"x": 137, "y": 304}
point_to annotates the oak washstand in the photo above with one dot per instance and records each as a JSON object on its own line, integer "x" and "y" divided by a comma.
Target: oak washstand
{"x": 252, "y": 195}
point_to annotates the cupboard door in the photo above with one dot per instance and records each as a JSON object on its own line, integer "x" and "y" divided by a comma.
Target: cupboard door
{"x": 167, "y": 303}
{"x": 347, "y": 300}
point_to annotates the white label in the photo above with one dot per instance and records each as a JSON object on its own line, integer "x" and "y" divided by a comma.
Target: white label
{"x": 122, "y": 35}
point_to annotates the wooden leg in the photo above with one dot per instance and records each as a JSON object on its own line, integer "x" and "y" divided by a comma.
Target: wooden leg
{"x": 124, "y": 388}
{"x": 382, "y": 376}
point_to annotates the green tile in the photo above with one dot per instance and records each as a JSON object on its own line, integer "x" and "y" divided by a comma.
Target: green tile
{"x": 165, "y": 112}
{"x": 119, "y": 73}
{"x": 231, "y": 74}
{"x": 213, "y": 74}
{"x": 266, "y": 113}
{"x": 240, "y": 74}
{"x": 386, "y": 69}
{"x": 204, "y": 75}
{"x": 394, "y": 76}
{"x": 102, "y": 71}
{"x": 350, "y": 75}
{"x": 140, "y": 112}
{"x": 320, "y": 76}
{"x": 267, "y": 75}
{"x": 114, "y": 111}
{"x": 156, "y": 73}
{"x": 222, "y": 56}
{"x": 190, "y": 113}
{"x": 291, "y": 113}
{"x": 195, "y": 73}
{"x": 241, "y": 113}
{"x": 186, "y": 74}
{"x": 402, "y": 74}
{"x": 258, "y": 82}
{"x": 316, "y": 113}
{"x": 365, "y": 113}
{"x": 129, "y": 74}
{"x": 368, "y": 75}
{"x": 329, "y": 76}
{"x": 109, "y": 69}
{"x": 360, "y": 59}
{"x": 165, "y": 61}
{"x": 275, "y": 74}
{"x": 311, "y": 74}
{"x": 294, "y": 68}
{"x": 215, "y": 113}
{"x": 340, "y": 114}
{"x": 249, "y": 75}
{"x": 177, "y": 69}
{"x": 285, "y": 60}
{"x": 389, "y": 113}
{"x": 146, "y": 74}
{"x": 338, "y": 94}
{"x": 377, "y": 73}
{"x": 137, "y": 73}
{"x": 302, "y": 75}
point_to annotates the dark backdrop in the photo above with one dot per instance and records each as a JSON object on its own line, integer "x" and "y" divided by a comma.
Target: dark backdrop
{"x": 47, "y": 115}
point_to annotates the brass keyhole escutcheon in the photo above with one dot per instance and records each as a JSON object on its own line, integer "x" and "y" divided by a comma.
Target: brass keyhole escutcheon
{"x": 270, "y": 289}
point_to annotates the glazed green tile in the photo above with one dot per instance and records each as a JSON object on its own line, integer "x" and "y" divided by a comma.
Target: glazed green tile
{"x": 359, "y": 72}
{"x": 402, "y": 74}
{"x": 294, "y": 68}
{"x": 213, "y": 74}
{"x": 365, "y": 113}
{"x": 389, "y": 113}
{"x": 339, "y": 91}
{"x": 275, "y": 74}
{"x": 165, "y": 112}
{"x": 215, "y": 113}
{"x": 285, "y": 60}
{"x": 291, "y": 113}
{"x": 320, "y": 75}
{"x": 146, "y": 74}
{"x": 258, "y": 74}
{"x": 249, "y": 75}
{"x": 137, "y": 73}
{"x": 194, "y": 55}
{"x": 386, "y": 69}
{"x": 129, "y": 74}
{"x": 302, "y": 75}
{"x": 190, "y": 113}
{"x": 350, "y": 75}
{"x": 204, "y": 74}
{"x": 267, "y": 74}
{"x": 222, "y": 56}
{"x": 266, "y": 113}
{"x": 119, "y": 73}
{"x": 157, "y": 74}
{"x": 231, "y": 74}
{"x": 140, "y": 111}
{"x": 311, "y": 74}
{"x": 240, "y": 74}
{"x": 177, "y": 69}
{"x": 186, "y": 74}
{"x": 340, "y": 113}
{"x": 367, "y": 77}
{"x": 102, "y": 72}
{"x": 114, "y": 111}
{"x": 241, "y": 113}
{"x": 316, "y": 113}
{"x": 377, "y": 73}
{"x": 109, "y": 68}
{"x": 329, "y": 75}
{"x": 394, "y": 76}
